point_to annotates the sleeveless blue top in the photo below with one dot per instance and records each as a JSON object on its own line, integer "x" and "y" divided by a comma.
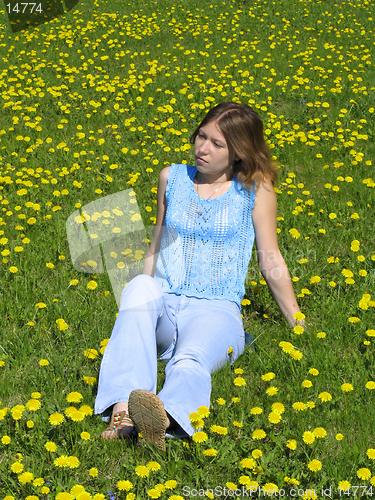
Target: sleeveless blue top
{"x": 206, "y": 244}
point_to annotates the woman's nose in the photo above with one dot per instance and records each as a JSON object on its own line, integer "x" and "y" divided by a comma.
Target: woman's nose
{"x": 203, "y": 147}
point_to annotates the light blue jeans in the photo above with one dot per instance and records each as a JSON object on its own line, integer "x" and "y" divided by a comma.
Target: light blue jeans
{"x": 193, "y": 335}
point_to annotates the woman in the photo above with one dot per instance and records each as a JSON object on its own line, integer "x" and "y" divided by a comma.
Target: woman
{"x": 186, "y": 306}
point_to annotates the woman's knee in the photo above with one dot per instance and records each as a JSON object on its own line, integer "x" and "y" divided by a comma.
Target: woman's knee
{"x": 141, "y": 290}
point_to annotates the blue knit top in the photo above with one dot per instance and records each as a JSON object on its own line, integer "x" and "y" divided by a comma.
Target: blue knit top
{"x": 206, "y": 244}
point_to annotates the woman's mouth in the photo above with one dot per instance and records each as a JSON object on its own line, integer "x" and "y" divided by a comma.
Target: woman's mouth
{"x": 201, "y": 160}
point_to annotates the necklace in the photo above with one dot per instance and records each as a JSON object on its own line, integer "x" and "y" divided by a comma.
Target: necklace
{"x": 201, "y": 211}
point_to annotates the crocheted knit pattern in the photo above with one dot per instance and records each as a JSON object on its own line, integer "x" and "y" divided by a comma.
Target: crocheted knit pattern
{"x": 206, "y": 244}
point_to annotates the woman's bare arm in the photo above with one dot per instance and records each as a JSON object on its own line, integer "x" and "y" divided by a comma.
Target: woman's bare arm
{"x": 153, "y": 251}
{"x": 271, "y": 262}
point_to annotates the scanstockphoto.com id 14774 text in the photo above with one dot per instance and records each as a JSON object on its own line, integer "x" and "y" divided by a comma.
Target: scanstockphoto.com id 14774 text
{"x": 271, "y": 490}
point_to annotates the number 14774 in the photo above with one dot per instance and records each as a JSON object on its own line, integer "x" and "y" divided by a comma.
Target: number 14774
{"x": 27, "y": 7}
{"x": 356, "y": 490}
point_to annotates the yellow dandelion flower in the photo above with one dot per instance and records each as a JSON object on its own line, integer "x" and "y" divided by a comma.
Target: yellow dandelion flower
{"x": 200, "y": 437}
{"x": 153, "y": 466}
{"x": 77, "y": 490}
{"x": 5, "y": 440}
{"x": 272, "y": 390}
{"x": 39, "y": 481}
{"x": 142, "y": 471}
{"x": 50, "y": 446}
{"x": 219, "y": 430}
{"x": 315, "y": 279}
{"x": 124, "y": 485}
{"x": 61, "y": 324}
{"x": 74, "y": 397}
{"x": 248, "y": 463}
{"x": 170, "y": 484}
{"x": 77, "y": 416}
{"x": 86, "y": 410}
{"x": 297, "y": 355}
{"x": 56, "y": 419}
{"x": 61, "y": 461}
{"x": 325, "y": 396}
{"x": 210, "y": 452}
{"x": 287, "y": 347}
{"x": 274, "y": 417}
{"x": 270, "y": 489}
{"x": 239, "y": 381}
{"x": 268, "y": 376}
{"x": 17, "y": 467}
{"x": 256, "y": 410}
{"x": 347, "y": 387}
{"x": 299, "y": 406}
{"x": 33, "y": 405}
{"x": 278, "y": 408}
{"x": 64, "y": 495}
{"x": 291, "y": 444}
{"x": 364, "y": 474}
{"x": 231, "y": 486}
{"x": 91, "y": 353}
{"x": 298, "y": 330}
{"x": 258, "y": 434}
{"x": 25, "y": 477}
{"x": 91, "y": 285}
{"x": 203, "y": 411}
{"x": 93, "y": 472}
{"x": 320, "y": 432}
{"x": 153, "y": 493}
{"x": 314, "y": 465}
{"x": 89, "y": 380}
{"x": 308, "y": 437}
{"x": 344, "y": 485}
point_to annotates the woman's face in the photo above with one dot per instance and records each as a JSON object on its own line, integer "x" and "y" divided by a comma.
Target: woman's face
{"x": 212, "y": 155}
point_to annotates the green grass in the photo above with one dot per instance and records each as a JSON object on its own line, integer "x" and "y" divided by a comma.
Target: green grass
{"x": 307, "y": 68}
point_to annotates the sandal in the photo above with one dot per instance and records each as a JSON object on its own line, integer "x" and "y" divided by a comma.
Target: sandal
{"x": 149, "y": 417}
{"x": 121, "y": 426}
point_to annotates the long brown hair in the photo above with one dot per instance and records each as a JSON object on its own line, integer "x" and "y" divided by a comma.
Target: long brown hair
{"x": 242, "y": 128}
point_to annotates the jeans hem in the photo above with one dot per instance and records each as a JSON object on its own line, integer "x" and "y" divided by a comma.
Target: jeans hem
{"x": 179, "y": 420}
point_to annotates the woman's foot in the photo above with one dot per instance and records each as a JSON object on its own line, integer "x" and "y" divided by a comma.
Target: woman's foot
{"x": 121, "y": 426}
{"x": 150, "y": 419}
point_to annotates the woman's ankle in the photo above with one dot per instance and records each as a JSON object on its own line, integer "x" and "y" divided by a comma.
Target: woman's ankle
{"x": 171, "y": 424}
{"x": 121, "y": 406}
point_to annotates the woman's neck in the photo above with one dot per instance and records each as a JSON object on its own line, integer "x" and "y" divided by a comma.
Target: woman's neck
{"x": 212, "y": 179}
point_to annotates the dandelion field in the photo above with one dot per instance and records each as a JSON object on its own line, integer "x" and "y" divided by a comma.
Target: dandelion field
{"x": 98, "y": 101}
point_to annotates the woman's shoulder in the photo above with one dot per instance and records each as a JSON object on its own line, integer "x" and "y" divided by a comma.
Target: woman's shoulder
{"x": 177, "y": 170}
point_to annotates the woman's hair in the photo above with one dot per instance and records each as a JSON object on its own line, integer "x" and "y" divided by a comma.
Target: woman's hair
{"x": 242, "y": 128}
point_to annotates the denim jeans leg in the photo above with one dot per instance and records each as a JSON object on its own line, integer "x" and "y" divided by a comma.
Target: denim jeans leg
{"x": 130, "y": 358}
{"x": 206, "y": 329}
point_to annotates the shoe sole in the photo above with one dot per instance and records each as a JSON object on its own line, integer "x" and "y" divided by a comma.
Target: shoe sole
{"x": 149, "y": 417}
